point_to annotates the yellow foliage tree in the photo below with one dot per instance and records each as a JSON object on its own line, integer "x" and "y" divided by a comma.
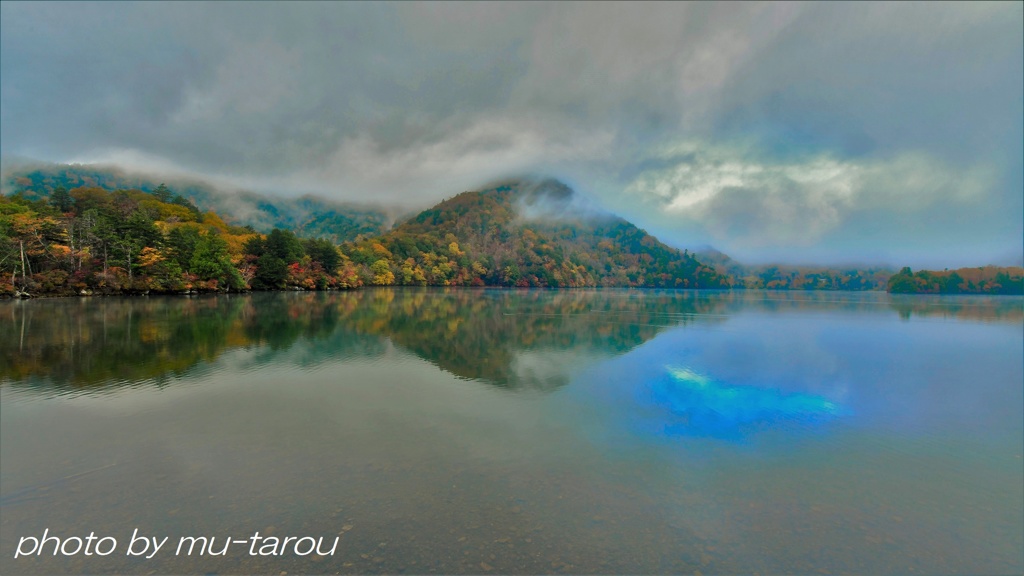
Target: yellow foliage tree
{"x": 382, "y": 274}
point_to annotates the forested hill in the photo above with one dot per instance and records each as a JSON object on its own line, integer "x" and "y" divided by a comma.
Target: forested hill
{"x": 91, "y": 241}
{"x": 526, "y": 233}
{"x": 307, "y": 216}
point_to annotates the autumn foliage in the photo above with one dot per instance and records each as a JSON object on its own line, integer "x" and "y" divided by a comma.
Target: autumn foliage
{"x": 982, "y": 280}
{"x": 524, "y": 234}
{"x": 92, "y": 241}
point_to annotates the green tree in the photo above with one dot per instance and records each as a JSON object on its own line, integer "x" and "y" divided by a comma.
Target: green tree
{"x": 284, "y": 245}
{"x": 129, "y": 236}
{"x": 325, "y": 252}
{"x": 951, "y": 284}
{"x": 163, "y": 194}
{"x": 903, "y": 282}
{"x": 62, "y": 200}
{"x": 210, "y": 261}
{"x": 183, "y": 241}
{"x": 271, "y": 272}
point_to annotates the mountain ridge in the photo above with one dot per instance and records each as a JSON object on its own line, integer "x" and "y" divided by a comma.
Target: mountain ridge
{"x": 524, "y": 232}
{"x": 310, "y": 216}
{"x": 528, "y": 233}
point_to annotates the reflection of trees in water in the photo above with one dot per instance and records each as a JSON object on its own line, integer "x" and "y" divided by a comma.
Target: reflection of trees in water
{"x": 511, "y": 338}
{"x": 498, "y": 336}
{"x": 86, "y": 342}
{"x": 980, "y": 308}
{"x": 1004, "y": 309}
{"x": 124, "y": 341}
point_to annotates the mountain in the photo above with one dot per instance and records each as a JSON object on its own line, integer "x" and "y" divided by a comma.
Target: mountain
{"x": 307, "y": 216}
{"x": 526, "y": 233}
{"x": 521, "y": 233}
{"x": 489, "y": 222}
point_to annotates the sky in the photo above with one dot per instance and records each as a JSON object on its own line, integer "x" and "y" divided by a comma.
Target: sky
{"x": 812, "y": 132}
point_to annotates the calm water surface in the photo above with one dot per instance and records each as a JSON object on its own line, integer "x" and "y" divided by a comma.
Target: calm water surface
{"x": 520, "y": 431}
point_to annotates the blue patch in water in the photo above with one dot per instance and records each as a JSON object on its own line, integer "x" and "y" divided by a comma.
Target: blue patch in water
{"x": 700, "y": 406}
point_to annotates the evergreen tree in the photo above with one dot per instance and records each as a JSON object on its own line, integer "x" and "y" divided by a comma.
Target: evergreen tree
{"x": 62, "y": 200}
{"x": 163, "y": 194}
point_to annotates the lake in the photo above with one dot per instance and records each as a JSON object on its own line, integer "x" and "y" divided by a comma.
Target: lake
{"x": 516, "y": 431}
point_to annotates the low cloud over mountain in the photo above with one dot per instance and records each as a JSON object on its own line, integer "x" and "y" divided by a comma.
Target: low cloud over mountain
{"x": 884, "y": 132}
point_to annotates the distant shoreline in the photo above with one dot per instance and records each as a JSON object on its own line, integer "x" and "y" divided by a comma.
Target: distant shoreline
{"x": 193, "y": 293}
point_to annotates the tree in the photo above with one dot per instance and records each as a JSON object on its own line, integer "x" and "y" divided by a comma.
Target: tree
{"x": 951, "y": 283}
{"x": 284, "y": 245}
{"x": 182, "y": 242}
{"x": 271, "y": 273}
{"x": 182, "y": 201}
{"x": 131, "y": 236}
{"x": 382, "y": 274}
{"x": 210, "y": 261}
{"x": 255, "y": 246}
{"x": 163, "y": 194}
{"x": 163, "y": 272}
{"x": 325, "y": 252}
{"x": 62, "y": 200}
{"x": 903, "y": 282}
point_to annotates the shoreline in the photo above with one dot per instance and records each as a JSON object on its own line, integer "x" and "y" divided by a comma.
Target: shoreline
{"x": 194, "y": 293}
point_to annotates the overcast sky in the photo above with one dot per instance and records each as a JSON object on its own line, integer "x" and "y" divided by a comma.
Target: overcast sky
{"x": 793, "y": 132}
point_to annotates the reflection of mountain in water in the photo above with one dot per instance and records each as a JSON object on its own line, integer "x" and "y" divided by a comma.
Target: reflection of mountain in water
{"x": 517, "y": 339}
{"x": 525, "y": 338}
{"x": 520, "y": 339}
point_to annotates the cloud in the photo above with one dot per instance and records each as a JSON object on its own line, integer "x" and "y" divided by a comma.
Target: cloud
{"x": 880, "y": 78}
{"x": 752, "y": 203}
{"x": 462, "y": 160}
{"x": 812, "y": 113}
